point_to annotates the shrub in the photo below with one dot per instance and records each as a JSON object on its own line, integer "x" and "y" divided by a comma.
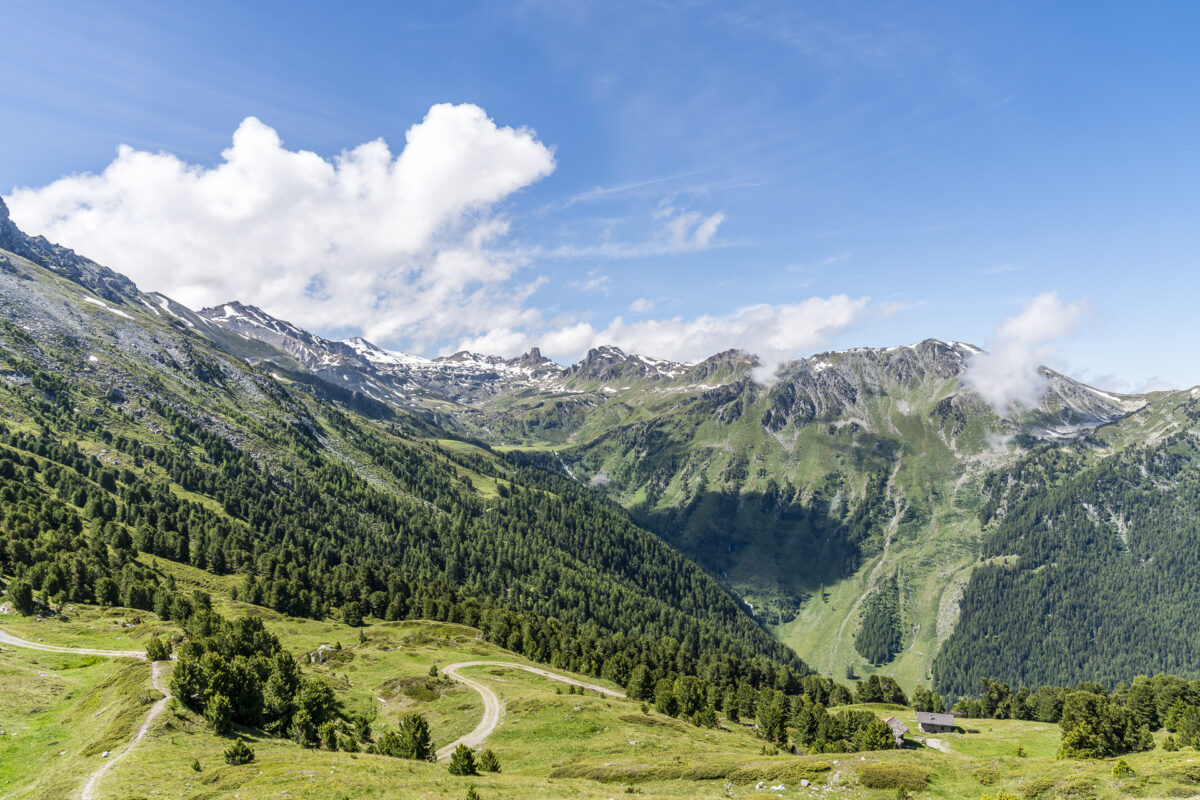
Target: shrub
{"x": 415, "y": 741}
{"x": 893, "y": 776}
{"x": 239, "y": 753}
{"x": 196, "y": 764}
{"x": 986, "y": 775}
{"x": 410, "y": 739}
{"x": 328, "y": 735}
{"x": 463, "y": 761}
{"x": 472, "y": 794}
{"x": 346, "y": 739}
{"x": 1189, "y": 773}
{"x": 219, "y": 713}
{"x": 1037, "y": 787}
{"x": 303, "y": 730}
{"x": 488, "y": 761}
{"x": 157, "y": 650}
{"x": 1082, "y": 788}
{"x": 20, "y": 592}
{"x": 789, "y": 771}
{"x": 1121, "y": 770}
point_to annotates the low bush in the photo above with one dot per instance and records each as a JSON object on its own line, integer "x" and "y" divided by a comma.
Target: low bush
{"x": 462, "y": 761}
{"x": 1078, "y": 789}
{"x": 239, "y": 753}
{"x": 1189, "y": 773}
{"x": 894, "y": 776}
{"x": 986, "y": 775}
{"x": 1037, "y": 787}
{"x": 488, "y": 762}
{"x": 708, "y": 771}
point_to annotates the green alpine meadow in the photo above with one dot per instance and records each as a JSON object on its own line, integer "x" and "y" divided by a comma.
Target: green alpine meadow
{"x": 575, "y": 400}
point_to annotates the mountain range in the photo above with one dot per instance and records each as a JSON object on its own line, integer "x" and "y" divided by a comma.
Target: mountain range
{"x": 860, "y": 508}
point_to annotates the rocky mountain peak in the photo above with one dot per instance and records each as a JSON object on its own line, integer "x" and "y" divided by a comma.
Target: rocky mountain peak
{"x": 608, "y": 363}
{"x": 254, "y": 323}
{"x": 112, "y": 286}
{"x": 534, "y": 361}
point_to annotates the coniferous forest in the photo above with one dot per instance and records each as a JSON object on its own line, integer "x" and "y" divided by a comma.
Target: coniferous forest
{"x": 1097, "y": 575}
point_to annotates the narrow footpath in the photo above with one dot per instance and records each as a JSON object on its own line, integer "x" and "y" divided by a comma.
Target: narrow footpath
{"x": 157, "y": 678}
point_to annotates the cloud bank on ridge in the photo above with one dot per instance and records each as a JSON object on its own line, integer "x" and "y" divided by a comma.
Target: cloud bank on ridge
{"x": 1007, "y": 376}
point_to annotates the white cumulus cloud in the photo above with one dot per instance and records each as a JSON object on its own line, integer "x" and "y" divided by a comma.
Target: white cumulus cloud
{"x": 394, "y": 245}
{"x": 1006, "y": 375}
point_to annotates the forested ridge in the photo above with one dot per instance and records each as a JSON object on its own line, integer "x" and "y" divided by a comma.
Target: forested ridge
{"x": 323, "y": 512}
{"x": 1096, "y": 570}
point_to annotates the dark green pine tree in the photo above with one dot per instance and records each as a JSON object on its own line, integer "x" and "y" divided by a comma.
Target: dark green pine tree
{"x": 462, "y": 761}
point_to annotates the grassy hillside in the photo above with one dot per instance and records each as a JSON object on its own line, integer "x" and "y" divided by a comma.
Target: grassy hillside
{"x": 549, "y": 743}
{"x": 801, "y": 504}
{"x": 862, "y": 467}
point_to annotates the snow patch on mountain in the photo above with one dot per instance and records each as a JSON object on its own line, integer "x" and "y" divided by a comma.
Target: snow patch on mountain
{"x": 106, "y": 307}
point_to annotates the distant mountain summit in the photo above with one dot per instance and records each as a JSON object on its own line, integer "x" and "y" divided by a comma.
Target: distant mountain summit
{"x": 409, "y": 380}
{"x": 827, "y": 385}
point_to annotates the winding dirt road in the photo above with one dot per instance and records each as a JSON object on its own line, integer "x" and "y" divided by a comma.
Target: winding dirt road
{"x": 8, "y": 638}
{"x": 157, "y": 678}
{"x": 493, "y": 707}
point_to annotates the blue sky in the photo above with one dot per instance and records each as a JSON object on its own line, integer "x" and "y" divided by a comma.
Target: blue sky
{"x": 938, "y": 165}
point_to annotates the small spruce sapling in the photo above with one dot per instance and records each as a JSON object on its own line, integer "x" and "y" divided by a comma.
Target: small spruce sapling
{"x": 462, "y": 762}
{"x": 239, "y": 753}
{"x": 488, "y": 762}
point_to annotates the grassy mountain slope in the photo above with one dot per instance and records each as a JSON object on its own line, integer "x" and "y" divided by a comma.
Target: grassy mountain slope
{"x": 852, "y": 468}
{"x": 152, "y": 438}
{"x": 854, "y": 475}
